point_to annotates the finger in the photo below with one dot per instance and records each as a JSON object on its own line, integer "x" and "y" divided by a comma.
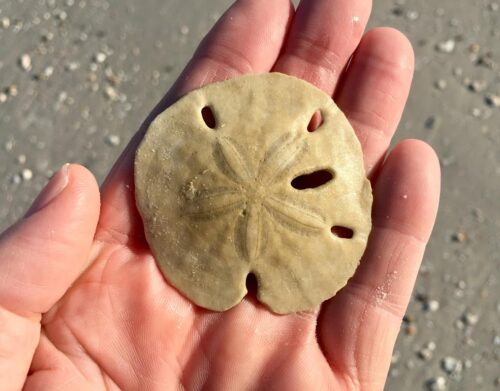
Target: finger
{"x": 40, "y": 257}
{"x": 323, "y": 36}
{"x": 374, "y": 90}
{"x": 247, "y": 39}
{"x": 359, "y": 326}
{"x": 43, "y": 254}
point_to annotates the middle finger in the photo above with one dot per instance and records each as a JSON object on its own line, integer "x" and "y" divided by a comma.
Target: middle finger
{"x": 323, "y": 36}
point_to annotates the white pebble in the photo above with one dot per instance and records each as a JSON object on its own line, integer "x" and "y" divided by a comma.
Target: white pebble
{"x": 48, "y": 72}
{"x": 100, "y": 57}
{"x": 441, "y": 84}
{"x": 438, "y": 384}
{"x": 47, "y": 36}
{"x": 412, "y": 15}
{"x": 425, "y": 354}
{"x": 60, "y": 14}
{"x": 477, "y": 85}
{"x": 9, "y": 144}
{"x": 432, "y": 305}
{"x": 25, "y": 62}
{"x": 110, "y": 93}
{"x": 21, "y": 159}
{"x": 447, "y": 46}
{"x": 476, "y": 112}
{"x": 493, "y": 100}
{"x": 62, "y": 97}
{"x": 16, "y": 179}
{"x": 72, "y": 66}
{"x": 427, "y": 351}
{"x": 27, "y": 174}
{"x": 113, "y": 140}
{"x": 451, "y": 365}
{"x": 5, "y": 23}
{"x": 471, "y": 319}
{"x": 3, "y": 97}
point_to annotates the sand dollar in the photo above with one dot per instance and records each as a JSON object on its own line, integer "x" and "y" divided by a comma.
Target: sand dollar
{"x": 230, "y": 182}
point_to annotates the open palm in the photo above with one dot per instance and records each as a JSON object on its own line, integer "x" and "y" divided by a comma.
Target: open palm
{"x": 83, "y": 305}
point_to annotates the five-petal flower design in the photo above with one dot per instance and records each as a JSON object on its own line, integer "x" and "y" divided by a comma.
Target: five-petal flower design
{"x": 252, "y": 195}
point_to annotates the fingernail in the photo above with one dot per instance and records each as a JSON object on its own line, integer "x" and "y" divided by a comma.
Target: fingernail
{"x": 55, "y": 186}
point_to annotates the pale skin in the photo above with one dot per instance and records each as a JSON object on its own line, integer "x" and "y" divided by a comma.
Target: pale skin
{"x": 83, "y": 305}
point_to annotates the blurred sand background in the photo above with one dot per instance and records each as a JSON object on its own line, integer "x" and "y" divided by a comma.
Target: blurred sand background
{"x": 77, "y": 77}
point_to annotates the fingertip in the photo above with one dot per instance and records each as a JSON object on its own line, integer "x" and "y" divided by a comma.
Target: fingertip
{"x": 49, "y": 248}
{"x": 375, "y": 88}
{"x": 412, "y": 147}
{"x": 84, "y": 184}
{"x": 262, "y": 25}
{"x": 418, "y": 153}
{"x": 380, "y": 41}
{"x": 321, "y": 39}
{"x": 67, "y": 210}
{"x": 73, "y": 189}
{"x": 407, "y": 190}
{"x": 80, "y": 202}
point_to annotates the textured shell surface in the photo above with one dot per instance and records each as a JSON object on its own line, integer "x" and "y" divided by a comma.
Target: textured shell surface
{"x": 215, "y": 183}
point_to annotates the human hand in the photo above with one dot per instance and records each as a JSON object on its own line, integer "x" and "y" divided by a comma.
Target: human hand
{"x": 84, "y": 306}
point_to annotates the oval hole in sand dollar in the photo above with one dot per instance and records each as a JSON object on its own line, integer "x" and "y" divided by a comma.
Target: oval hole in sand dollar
{"x": 313, "y": 180}
{"x": 315, "y": 122}
{"x": 342, "y": 232}
{"x": 208, "y": 117}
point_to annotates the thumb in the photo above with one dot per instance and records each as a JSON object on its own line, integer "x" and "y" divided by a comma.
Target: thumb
{"x": 42, "y": 255}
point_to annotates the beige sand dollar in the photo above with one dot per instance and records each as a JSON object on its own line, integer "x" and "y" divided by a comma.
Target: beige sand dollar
{"x": 220, "y": 200}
